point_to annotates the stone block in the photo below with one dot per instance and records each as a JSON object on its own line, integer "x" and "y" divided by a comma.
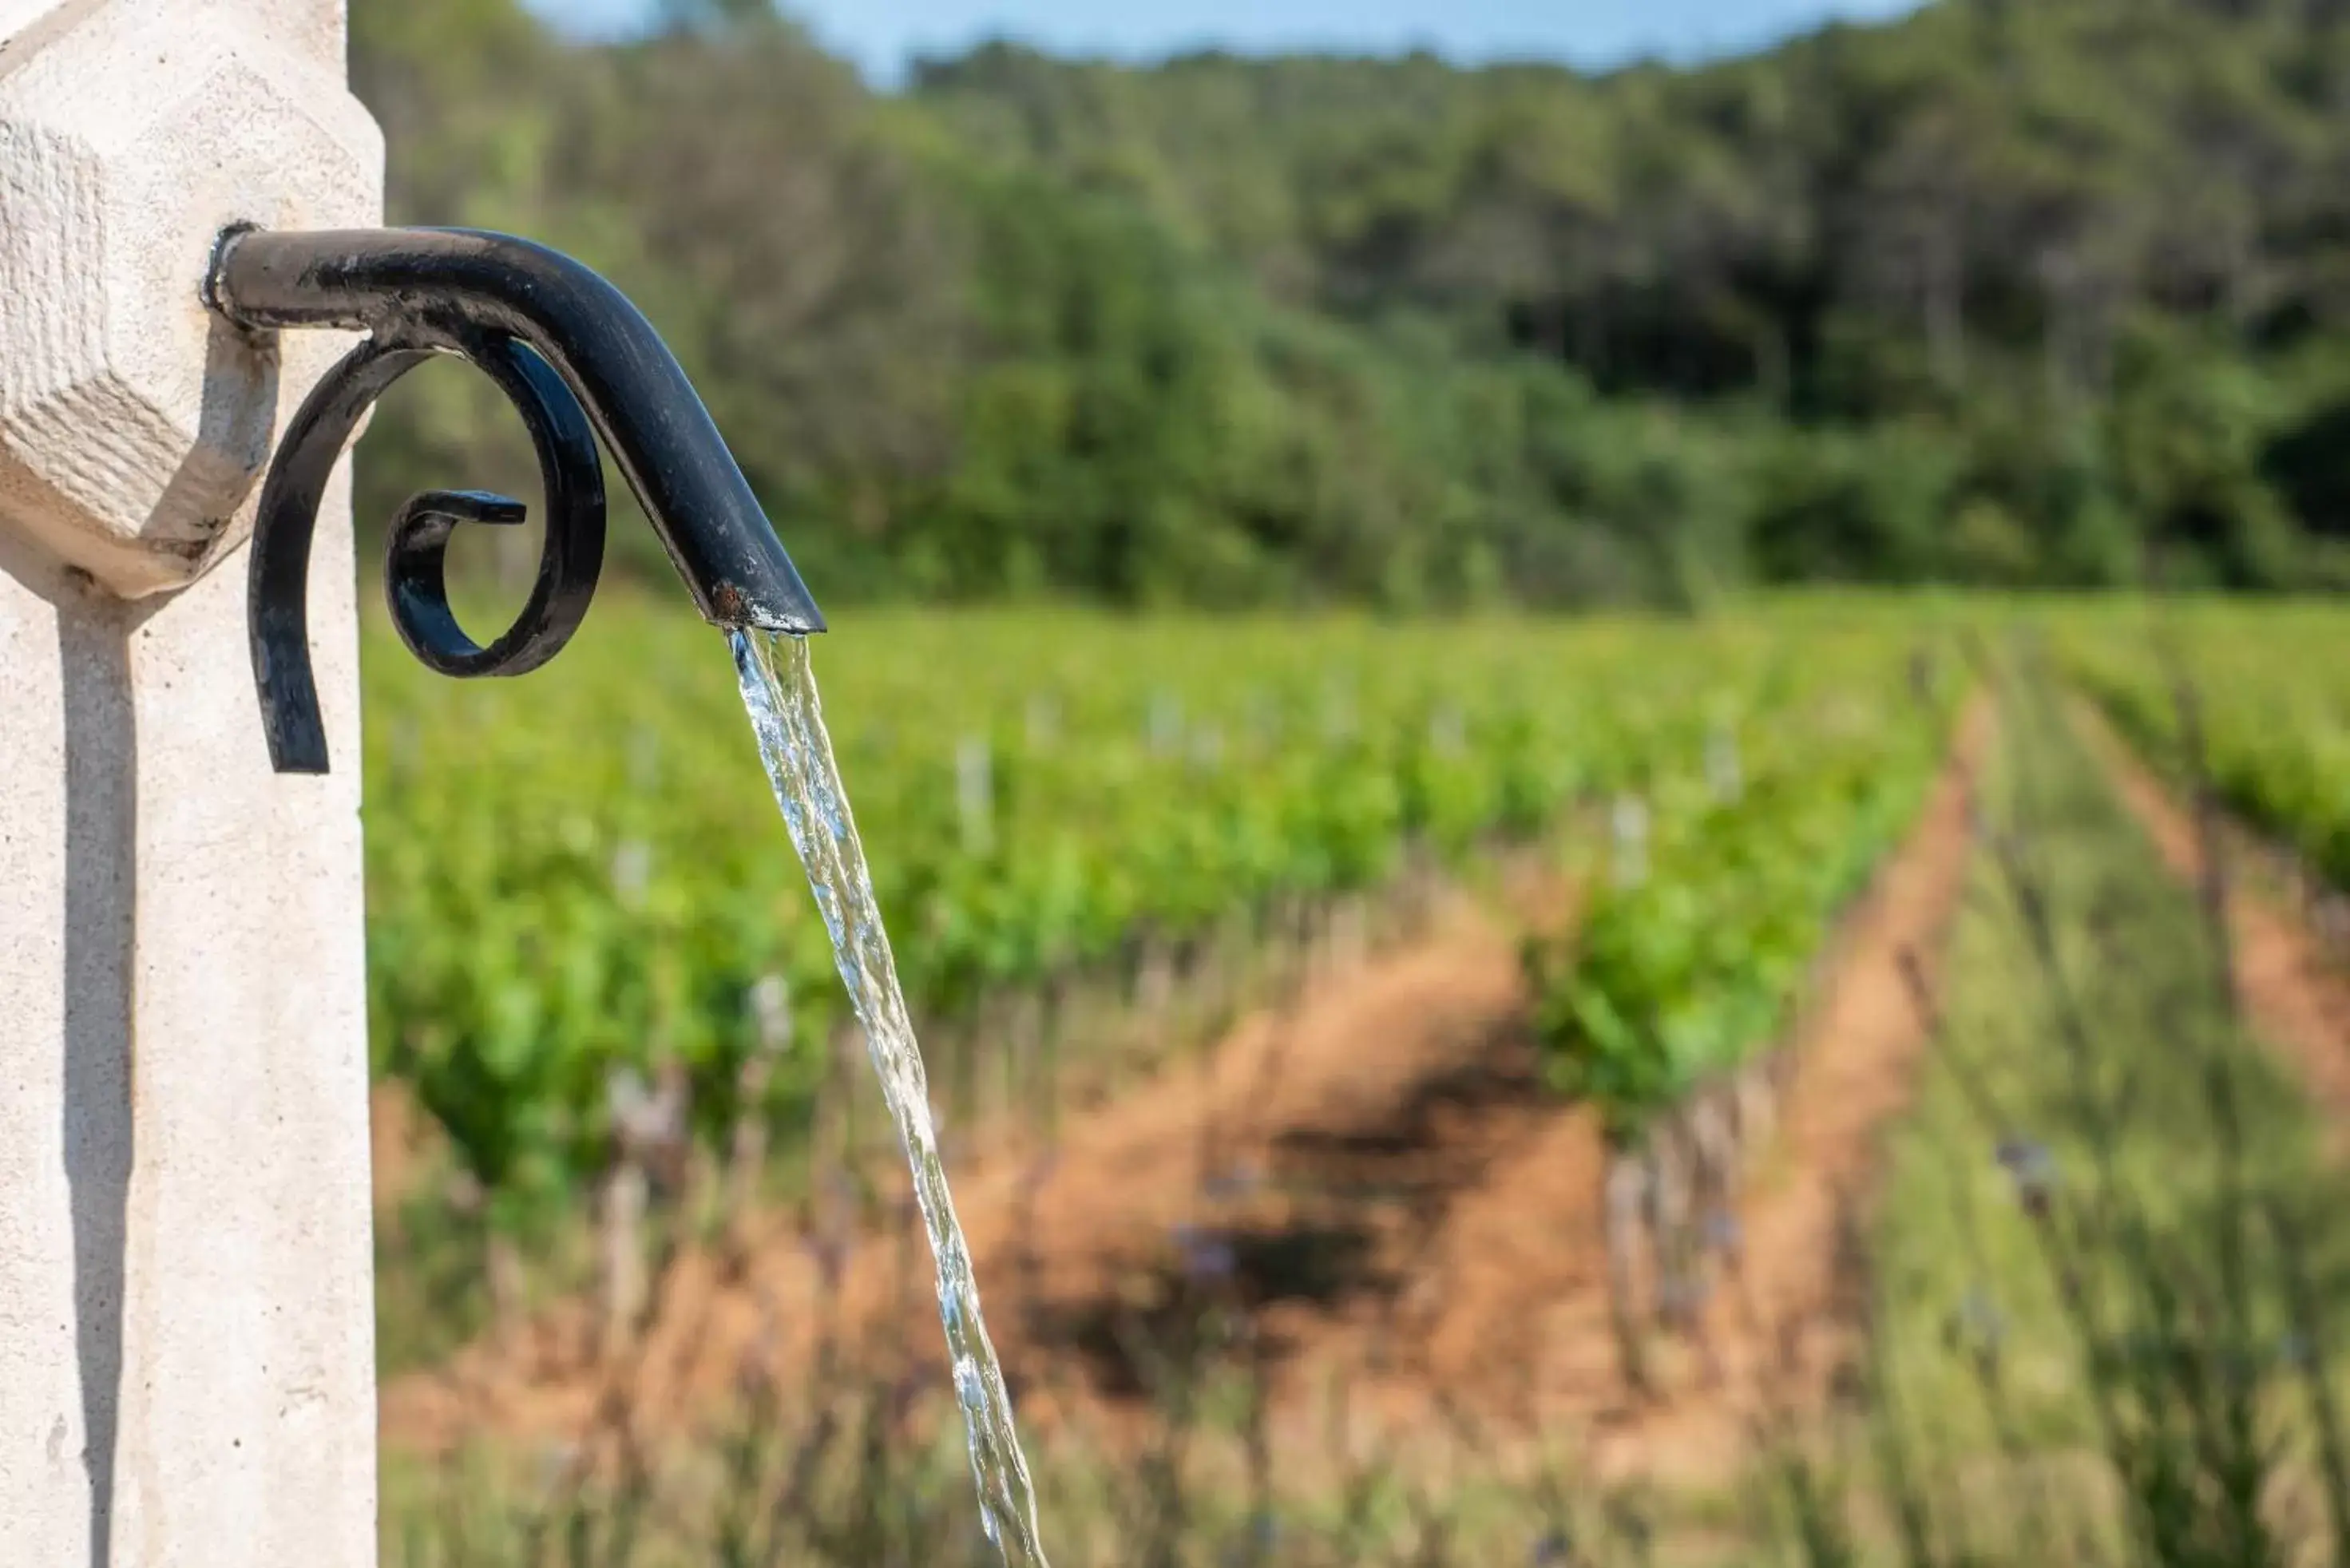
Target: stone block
{"x": 134, "y": 423}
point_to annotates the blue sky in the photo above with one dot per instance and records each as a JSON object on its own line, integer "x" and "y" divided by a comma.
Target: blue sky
{"x": 878, "y": 34}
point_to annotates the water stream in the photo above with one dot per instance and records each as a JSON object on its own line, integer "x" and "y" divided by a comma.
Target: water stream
{"x": 779, "y": 693}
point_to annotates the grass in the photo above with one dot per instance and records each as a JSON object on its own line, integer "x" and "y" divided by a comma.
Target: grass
{"x": 2107, "y": 1238}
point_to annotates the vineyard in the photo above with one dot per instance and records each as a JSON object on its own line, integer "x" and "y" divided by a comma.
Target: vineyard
{"x": 1572, "y": 989}
{"x": 577, "y": 881}
{"x": 2267, "y": 692}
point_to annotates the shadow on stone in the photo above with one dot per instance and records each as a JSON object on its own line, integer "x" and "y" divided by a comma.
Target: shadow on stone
{"x": 101, "y": 845}
{"x": 234, "y": 422}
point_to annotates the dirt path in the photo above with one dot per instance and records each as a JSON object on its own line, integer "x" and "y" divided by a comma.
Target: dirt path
{"x": 1060, "y": 1238}
{"x": 2297, "y": 1000}
{"x": 1372, "y": 1181}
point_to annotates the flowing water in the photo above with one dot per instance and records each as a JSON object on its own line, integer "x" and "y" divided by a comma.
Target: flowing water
{"x": 779, "y": 693}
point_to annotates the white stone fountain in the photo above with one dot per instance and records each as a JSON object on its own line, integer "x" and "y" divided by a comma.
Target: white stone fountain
{"x": 186, "y": 1317}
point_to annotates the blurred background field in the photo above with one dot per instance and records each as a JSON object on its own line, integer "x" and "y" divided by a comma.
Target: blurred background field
{"x": 1414, "y": 1089}
{"x": 1616, "y": 800}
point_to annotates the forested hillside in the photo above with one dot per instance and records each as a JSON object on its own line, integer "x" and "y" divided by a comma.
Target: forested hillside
{"x": 2015, "y": 291}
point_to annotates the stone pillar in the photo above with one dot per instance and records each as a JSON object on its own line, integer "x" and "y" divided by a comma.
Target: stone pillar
{"x": 186, "y": 1316}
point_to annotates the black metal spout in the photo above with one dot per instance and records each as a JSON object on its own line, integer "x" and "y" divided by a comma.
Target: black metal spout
{"x": 577, "y": 358}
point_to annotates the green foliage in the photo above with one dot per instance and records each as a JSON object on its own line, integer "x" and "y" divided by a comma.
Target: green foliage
{"x": 1696, "y": 942}
{"x": 1999, "y": 294}
{"x": 2267, "y": 695}
{"x": 582, "y": 872}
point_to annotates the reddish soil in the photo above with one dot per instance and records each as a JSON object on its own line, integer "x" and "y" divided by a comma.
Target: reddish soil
{"x": 2297, "y": 998}
{"x": 1374, "y": 1184}
{"x": 401, "y": 1141}
{"x": 1055, "y": 1237}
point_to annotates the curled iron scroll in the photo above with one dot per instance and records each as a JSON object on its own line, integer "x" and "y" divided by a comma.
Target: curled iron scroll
{"x": 415, "y": 578}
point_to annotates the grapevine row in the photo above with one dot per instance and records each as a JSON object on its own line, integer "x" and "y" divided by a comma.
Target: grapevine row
{"x": 1690, "y": 962}
{"x": 2269, "y": 688}
{"x": 578, "y": 880}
